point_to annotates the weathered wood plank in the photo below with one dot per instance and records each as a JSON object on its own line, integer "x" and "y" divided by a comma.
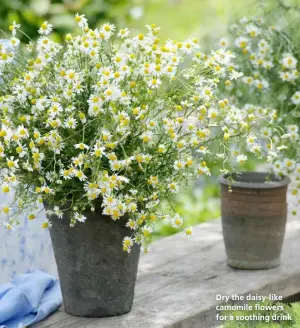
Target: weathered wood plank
{"x": 179, "y": 279}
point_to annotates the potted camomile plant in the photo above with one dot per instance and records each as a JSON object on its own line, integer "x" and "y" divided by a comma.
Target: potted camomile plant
{"x": 100, "y": 129}
{"x": 254, "y": 206}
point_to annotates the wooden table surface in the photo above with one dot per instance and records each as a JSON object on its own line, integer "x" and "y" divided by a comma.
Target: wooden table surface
{"x": 179, "y": 279}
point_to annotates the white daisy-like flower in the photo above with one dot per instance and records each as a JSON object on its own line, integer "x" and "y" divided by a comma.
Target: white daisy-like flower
{"x": 241, "y": 158}
{"x": 123, "y": 33}
{"x": 80, "y": 175}
{"x": 45, "y": 28}
{"x": 177, "y": 221}
{"x": 189, "y": 231}
{"x": 296, "y": 98}
{"x": 289, "y": 164}
{"x": 131, "y": 224}
{"x": 107, "y": 30}
{"x": 79, "y": 217}
{"x": 242, "y": 42}
{"x": 112, "y": 93}
{"x": 81, "y": 20}
{"x": 12, "y": 164}
{"x": 286, "y": 76}
{"x": 289, "y": 61}
{"x": 81, "y": 146}
{"x": 293, "y": 128}
{"x": 14, "y": 42}
{"x": 14, "y": 27}
{"x": 127, "y": 244}
{"x": 70, "y": 123}
{"x": 234, "y": 75}
{"x": 179, "y": 165}
{"x": 58, "y": 212}
{"x": 223, "y": 42}
{"x": 154, "y": 83}
{"x": 202, "y": 169}
{"x": 173, "y": 187}
{"x": 147, "y": 230}
{"x": 253, "y": 30}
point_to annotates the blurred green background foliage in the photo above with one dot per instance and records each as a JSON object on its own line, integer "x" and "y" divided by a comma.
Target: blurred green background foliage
{"x": 32, "y": 13}
{"x": 207, "y": 19}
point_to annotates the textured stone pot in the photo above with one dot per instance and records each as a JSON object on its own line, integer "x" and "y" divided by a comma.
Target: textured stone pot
{"x": 254, "y": 215}
{"x": 97, "y": 277}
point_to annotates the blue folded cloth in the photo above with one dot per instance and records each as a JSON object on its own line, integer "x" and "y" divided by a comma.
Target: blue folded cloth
{"x": 28, "y": 299}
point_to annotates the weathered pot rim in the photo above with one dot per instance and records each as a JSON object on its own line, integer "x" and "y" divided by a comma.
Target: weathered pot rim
{"x": 254, "y": 180}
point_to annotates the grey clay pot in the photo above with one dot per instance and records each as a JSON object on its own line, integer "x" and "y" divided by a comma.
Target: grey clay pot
{"x": 253, "y": 219}
{"x": 97, "y": 277}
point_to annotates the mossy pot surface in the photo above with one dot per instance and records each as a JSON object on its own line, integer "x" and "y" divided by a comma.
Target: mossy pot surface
{"x": 97, "y": 277}
{"x": 254, "y": 213}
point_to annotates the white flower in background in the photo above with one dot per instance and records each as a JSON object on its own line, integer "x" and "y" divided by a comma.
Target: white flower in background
{"x": 202, "y": 169}
{"x": 263, "y": 44}
{"x": 256, "y": 148}
{"x": 251, "y": 139}
{"x": 234, "y": 75}
{"x": 14, "y": 42}
{"x": 248, "y": 80}
{"x": 177, "y": 221}
{"x": 81, "y": 20}
{"x": 297, "y": 170}
{"x": 296, "y": 98}
{"x": 289, "y": 164}
{"x": 293, "y": 128}
{"x": 45, "y": 28}
{"x": 123, "y": 33}
{"x": 81, "y": 146}
{"x": 261, "y": 84}
{"x": 266, "y": 132}
{"x": 268, "y": 64}
{"x": 14, "y": 27}
{"x": 241, "y": 159}
{"x": 242, "y": 42}
{"x": 154, "y": 83}
{"x": 272, "y": 155}
{"x": 278, "y": 167}
{"x": 286, "y": 76}
{"x": 289, "y": 61}
{"x": 223, "y": 42}
{"x": 253, "y": 30}
{"x": 189, "y": 46}
{"x": 189, "y": 231}
{"x": 107, "y": 30}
